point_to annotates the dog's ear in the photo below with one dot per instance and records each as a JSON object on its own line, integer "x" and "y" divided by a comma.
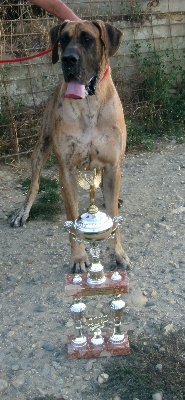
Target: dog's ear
{"x": 54, "y": 38}
{"x": 110, "y": 36}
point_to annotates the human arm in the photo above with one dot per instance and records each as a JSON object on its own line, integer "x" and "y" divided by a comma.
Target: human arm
{"x": 56, "y": 8}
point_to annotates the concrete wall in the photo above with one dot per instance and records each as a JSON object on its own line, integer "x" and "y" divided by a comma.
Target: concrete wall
{"x": 151, "y": 25}
{"x": 158, "y": 25}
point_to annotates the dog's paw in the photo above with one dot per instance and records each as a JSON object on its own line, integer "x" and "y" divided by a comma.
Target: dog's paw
{"x": 123, "y": 262}
{"x": 118, "y": 259}
{"x": 80, "y": 267}
{"x": 79, "y": 259}
{"x": 19, "y": 218}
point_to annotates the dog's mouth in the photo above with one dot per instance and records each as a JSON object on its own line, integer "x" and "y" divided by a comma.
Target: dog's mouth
{"x": 76, "y": 90}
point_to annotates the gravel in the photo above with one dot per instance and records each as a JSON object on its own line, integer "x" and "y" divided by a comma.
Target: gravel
{"x": 35, "y": 316}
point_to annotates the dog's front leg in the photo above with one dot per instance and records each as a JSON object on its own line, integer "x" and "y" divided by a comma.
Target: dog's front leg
{"x": 111, "y": 189}
{"x": 69, "y": 189}
{"x": 39, "y": 157}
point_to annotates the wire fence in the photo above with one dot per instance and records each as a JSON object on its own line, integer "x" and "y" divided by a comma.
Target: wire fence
{"x": 148, "y": 26}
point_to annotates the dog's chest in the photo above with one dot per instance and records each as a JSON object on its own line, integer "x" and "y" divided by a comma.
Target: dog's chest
{"x": 86, "y": 148}
{"x": 84, "y": 113}
{"x": 84, "y": 136}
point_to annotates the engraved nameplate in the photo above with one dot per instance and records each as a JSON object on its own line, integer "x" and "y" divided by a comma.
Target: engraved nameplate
{"x": 106, "y": 288}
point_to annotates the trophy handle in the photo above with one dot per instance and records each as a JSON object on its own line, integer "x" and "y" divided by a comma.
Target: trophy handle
{"x": 116, "y": 221}
{"x": 68, "y": 225}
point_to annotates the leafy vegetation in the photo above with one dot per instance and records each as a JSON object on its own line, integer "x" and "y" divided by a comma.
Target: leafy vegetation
{"x": 48, "y": 204}
{"x": 133, "y": 12}
{"x": 160, "y": 95}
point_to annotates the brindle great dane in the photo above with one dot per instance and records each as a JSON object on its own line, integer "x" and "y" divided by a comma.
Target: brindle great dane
{"x": 84, "y": 125}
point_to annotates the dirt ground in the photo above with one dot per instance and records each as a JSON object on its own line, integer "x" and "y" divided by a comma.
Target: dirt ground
{"x": 35, "y": 315}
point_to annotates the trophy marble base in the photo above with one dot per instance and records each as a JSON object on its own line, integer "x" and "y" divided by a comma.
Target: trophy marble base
{"x": 106, "y": 349}
{"x": 107, "y": 287}
{"x": 99, "y": 344}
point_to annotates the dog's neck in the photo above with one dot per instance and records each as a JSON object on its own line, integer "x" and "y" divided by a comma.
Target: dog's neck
{"x": 91, "y": 87}
{"x": 105, "y": 74}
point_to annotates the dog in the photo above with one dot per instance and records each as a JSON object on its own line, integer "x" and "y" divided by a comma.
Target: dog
{"x": 84, "y": 125}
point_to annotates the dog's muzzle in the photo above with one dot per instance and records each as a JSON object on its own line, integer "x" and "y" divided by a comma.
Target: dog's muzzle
{"x": 71, "y": 66}
{"x": 73, "y": 76}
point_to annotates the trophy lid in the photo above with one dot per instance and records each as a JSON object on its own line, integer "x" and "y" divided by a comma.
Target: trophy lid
{"x": 78, "y": 307}
{"x": 117, "y": 304}
{"x": 94, "y": 225}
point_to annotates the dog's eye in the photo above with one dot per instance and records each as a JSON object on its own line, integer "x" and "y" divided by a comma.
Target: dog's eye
{"x": 87, "y": 39}
{"x": 64, "y": 39}
{"x": 87, "y": 42}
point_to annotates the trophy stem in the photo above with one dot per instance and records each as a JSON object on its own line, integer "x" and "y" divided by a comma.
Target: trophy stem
{"x": 96, "y": 271}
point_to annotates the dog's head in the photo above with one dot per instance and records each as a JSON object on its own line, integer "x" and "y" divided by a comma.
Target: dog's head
{"x": 85, "y": 49}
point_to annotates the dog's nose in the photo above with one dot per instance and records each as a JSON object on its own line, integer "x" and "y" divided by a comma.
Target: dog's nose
{"x": 71, "y": 58}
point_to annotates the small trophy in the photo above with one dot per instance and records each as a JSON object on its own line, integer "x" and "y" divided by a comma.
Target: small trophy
{"x": 94, "y": 227}
{"x": 117, "y": 306}
{"x": 77, "y": 309}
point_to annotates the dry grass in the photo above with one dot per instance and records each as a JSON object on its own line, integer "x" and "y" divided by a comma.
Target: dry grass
{"x": 136, "y": 375}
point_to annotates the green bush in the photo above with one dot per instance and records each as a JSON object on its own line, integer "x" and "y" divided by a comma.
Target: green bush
{"x": 161, "y": 98}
